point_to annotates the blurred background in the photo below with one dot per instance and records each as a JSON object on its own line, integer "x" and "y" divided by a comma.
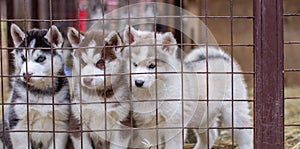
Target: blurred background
{"x": 231, "y": 22}
{"x": 64, "y": 13}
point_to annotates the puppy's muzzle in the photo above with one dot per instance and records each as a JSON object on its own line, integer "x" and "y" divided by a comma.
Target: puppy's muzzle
{"x": 139, "y": 83}
{"x": 27, "y": 76}
{"x": 87, "y": 81}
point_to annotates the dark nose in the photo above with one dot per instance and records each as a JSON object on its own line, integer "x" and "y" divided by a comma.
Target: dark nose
{"x": 87, "y": 81}
{"x": 139, "y": 83}
{"x": 27, "y": 76}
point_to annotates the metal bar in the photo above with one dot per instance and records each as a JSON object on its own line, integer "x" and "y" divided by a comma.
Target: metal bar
{"x": 110, "y": 102}
{"x": 126, "y": 18}
{"x": 269, "y": 99}
{"x": 138, "y": 128}
{"x": 291, "y": 14}
{"x": 291, "y": 70}
{"x": 182, "y": 81}
{"x": 80, "y": 88}
{"x": 25, "y": 22}
{"x": 52, "y": 74}
{"x": 140, "y": 45}
{"x": 291, "y": 42}
{"x": 292, "y": 125}
{"x": 294, "y": 97}
{"x": 10, "y": 15}
{"x": 156, "y": 91}
{"x": 1, "y": 71}
{"x": 232, "y": 83}
{"x": 207, "y": 69}
{"x": 130, "y": 76}
{"x": 117, "y": 74}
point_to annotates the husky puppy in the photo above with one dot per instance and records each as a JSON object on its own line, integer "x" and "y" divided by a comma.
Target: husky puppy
{"x": 131, "y": 35}
{"x": 101, "y": 94}
{"x": 167, "y": 86}
{"x": 39, "y": 102}
{"x": 219, "y": 89}
{"x": 232, "y": 113}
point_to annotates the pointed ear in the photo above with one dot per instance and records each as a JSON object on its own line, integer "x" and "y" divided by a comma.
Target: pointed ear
{"x": 169, "y": 43}
{"x": 130, "y": 34}
{"x": 54, "y": 36}
{"x": 74, "y": 37}
{"x": 114, "y": 39}
{"x": 17, "y": 34}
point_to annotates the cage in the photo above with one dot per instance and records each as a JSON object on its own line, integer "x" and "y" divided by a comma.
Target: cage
{"x": 242, "y": 44}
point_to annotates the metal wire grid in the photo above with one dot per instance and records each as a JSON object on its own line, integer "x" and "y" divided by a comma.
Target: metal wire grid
{"x": 231, "y": 45}
{"x": 290, "y": 125}
{"x": 79, "y": 76}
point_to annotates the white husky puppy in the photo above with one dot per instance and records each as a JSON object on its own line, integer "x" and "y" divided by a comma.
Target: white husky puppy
{"x": 40, "y": 102}
{"x": 167, "y": 86}
{"x": 219, "y": 89}
{"x": 101, "y": 94}
{"x": 233, "y": 113}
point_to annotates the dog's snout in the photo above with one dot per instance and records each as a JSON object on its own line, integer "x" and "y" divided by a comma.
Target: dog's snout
{"x": 88, "y": 81}
{"x": 27, "y": 76}
{"x": 139, "y": 83}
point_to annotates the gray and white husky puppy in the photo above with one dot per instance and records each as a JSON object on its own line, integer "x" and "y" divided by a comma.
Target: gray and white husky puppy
{"x": 101, "y": 96}
{"x": 205, "y": 114}
{"x": 40, "y": 94}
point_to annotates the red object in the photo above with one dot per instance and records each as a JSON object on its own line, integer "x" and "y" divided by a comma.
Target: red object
{"x": 83, "y": 15}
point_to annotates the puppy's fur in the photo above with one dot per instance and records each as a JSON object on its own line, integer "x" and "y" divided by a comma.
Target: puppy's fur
{"x": 166, "y": 87}
{"x": 131, "y": 34}
{"x": 35, "y": 63}
{"x": 4, "y": 135}
{"x": 218, "y": 61}
{"x": 219, "y": 89}
{"x": 96, "y": 60}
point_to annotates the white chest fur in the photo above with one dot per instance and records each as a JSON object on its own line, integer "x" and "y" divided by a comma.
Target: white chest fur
{"x": 98, "y": 116}
{"x": 41, "y": 110}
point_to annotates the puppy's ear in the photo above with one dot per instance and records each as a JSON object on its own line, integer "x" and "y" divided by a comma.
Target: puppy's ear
{"x": 74, "y": 37}
{"x": 130, "y": 34}
{"x": 169, "y": 43}
{"x": 114, "y": 39}
{"x": 17, "y": 34}
{"x": 54, "y": 37}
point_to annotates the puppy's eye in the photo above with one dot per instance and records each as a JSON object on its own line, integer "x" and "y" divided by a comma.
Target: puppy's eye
{"x": 23, "y": 58}
{"x": 134, "y": 64}
{"x": 151, "y": 66}
{"x": 40, "y": 59}
{"x": 100, "y": 64}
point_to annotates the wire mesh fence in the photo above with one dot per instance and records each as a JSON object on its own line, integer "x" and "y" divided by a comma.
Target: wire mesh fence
{"x": 149, "y": 74}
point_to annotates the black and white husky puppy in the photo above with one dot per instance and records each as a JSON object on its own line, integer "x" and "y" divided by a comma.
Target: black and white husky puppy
{"x": 101, "y": 95}
{"x": 40, "y": 94}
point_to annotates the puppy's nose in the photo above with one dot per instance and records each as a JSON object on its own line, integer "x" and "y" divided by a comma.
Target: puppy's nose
{"x": 88, "y": 81}
{"x": 139, "y": 83}
{"x": 27, "y": 76}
